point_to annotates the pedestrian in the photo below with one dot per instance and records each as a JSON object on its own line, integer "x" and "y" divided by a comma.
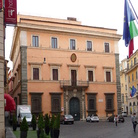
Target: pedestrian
{"x": 115, "y": 120}
{"x": 134, "y": 122}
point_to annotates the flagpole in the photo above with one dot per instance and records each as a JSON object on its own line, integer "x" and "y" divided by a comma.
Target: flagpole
{"x": 134, "y": 11}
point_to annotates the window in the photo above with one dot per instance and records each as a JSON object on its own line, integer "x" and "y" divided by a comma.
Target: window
{"x": 132, "y": 77}
{"x": 126, "y": 87}
{"x": 35, "y": 41}
{"x": 127, "y": 65}
{"x": 91, "y": 104}
{"x": 122, "y": 98}
{"x": 54, "y": 42}
{"x": 108, "y": 76}
{"x": 136, "y": 75}
{"x": 72, "y": 44}
{"x": 129, "y": 79}
{"x": 125, "y": 77}
{"x": 55, "y": 74}
{"x": 36, "y": 102}
{"x": 106, "y": 47}
{"x": 135, "y": 61}
{"x": 90, "y": 75}
{"x": 35, "y": 73}
{"x": 89, "y": 46}
{"x": 109, "y": 102}
{"x": 91, "y": 98}
{"x": 56, "y": 103}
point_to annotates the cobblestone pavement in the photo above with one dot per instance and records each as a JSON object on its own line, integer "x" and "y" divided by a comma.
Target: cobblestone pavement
{"x": 103, "y": 129}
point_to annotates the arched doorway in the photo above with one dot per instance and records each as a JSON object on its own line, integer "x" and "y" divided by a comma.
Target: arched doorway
{"x": 74, "y": 106}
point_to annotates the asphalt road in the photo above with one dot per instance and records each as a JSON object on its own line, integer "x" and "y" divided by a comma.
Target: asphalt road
{"x": 103, "y": 129}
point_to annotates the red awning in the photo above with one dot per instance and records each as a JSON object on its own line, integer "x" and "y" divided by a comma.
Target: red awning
{"x": 10, "y": 103}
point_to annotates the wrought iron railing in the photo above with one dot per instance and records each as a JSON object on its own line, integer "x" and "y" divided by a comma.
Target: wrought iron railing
{"x": 66, "y": 83}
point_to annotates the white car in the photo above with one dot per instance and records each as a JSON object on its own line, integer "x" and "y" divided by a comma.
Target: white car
{"x": 92, "y": 118}
{"x": 124, "y": 114}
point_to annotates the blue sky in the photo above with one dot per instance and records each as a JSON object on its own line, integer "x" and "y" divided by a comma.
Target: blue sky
{"x": 99, "y": 13}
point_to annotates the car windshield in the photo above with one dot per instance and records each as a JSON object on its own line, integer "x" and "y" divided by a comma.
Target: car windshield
{"x": 68, "y": 116}
{"x": 27, "y": 115}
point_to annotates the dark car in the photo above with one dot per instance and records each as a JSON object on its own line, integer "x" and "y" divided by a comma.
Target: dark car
{"x": 120, "y": 118}
{"x": 65, "y": 119}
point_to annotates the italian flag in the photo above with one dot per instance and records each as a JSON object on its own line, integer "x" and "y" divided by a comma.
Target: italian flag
{"x": 130, "y": 29}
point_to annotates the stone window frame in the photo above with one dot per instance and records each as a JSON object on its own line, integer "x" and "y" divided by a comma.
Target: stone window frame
{"x": 32, "y": 40}
{"x": 36, "y": 95}
{"x": 108, "y": 69}
{"x": 36, "y": 66}
{"x": 109, "y": 96}
{"x": 75, "y": 44}
{"x": 56, "y": 95}
{"x": 51, "y": 42}
{"x": 87, "y": 45}
{"x": 109, "y": 47}
{"x": 55, "y": 67}
{"x": 90, "y": 69}
{"x": 91, "y": 96}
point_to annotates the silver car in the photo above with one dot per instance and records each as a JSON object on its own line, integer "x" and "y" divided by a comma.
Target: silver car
{"x": 92, "y": 118}
{"x": 67, "y": 119}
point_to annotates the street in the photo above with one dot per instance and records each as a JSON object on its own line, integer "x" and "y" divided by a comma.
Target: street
{"x": 103, "y": 129}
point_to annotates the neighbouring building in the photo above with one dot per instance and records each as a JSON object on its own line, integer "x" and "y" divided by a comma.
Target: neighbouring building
{"x": 62, "y": 66}
{"x": 6, "y": 69}
{"x": 10, "y": 82}
{"x": 132, "y": 73}
{"x": 2, "y": 60}
{"x": 124, "y": 85}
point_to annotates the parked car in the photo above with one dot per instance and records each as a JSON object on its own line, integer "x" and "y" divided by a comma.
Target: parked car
{"x": 65, "y": 119}
{"x": 124, "y": 114}
{"x": 92, "y": 118}
{"x": 120, "y": 118}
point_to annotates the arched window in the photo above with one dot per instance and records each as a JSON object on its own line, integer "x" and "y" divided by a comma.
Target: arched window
{"x": 130, "y": 104}
{"x": 134, "y": 104}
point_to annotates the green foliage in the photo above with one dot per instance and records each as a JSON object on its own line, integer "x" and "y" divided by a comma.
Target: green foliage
{"x": 47, "y": 121}
{"x": 52, "y": 122}
{"x": 33, "y": 121}
{"x": 57, "y": 122}
{"x": 41, "y": 123}
{"x": 24, "y": 125}
{"x": 42, "y": 134}
{"x": 14, "y": 120}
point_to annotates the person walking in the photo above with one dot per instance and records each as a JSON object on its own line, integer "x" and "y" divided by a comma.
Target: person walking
{"x": 134, "y": 122}
{"x": 115, "y": 120}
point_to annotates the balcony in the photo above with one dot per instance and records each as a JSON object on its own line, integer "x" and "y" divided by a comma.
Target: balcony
{"x": 75, "y": 84}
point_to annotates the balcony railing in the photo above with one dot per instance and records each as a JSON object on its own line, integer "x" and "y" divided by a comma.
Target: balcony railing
{"x": 78, "y": 83}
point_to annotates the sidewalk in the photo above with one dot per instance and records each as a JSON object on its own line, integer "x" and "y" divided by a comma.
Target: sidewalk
{"x": 9, "y": 132}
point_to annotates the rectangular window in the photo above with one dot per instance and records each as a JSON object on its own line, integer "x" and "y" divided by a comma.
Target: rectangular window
{"x": 54, "y": 42}
{"x": 35, "y": 41}
{"x": 129, "y": 79}
{"x": 90, "y": 75}
{"x": 136, "y": 75}
{"x": 127, "y": 65}
{"x": 55, "y": 103}
{"x": 55, "y": 74}
{"x": 72, "y": 44}
{"x": 35, "y": 73}
{"x": 132, "y": 77}
{"x": 106, "y": 46}
{"x": 122, "y": 98}
{"x": 91, "y": 104}
{"x": 89, "y": 46}
{"x": 108, "y": 76}
{"x": 126, "y": 87}
{"x": 109, "y": 104}
{"x": 135, "y": 61}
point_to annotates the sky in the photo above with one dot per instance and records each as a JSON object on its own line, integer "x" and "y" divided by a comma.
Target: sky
{"x": 97, "y": 13}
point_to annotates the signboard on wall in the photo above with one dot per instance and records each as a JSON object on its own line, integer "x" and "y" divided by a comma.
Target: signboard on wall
{"x": 10, "y": 12}
{"x": 0, "y": 4}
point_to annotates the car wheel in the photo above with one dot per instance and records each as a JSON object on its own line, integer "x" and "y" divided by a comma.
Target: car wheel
{"x": 90, "y": 120}
{"x": 72, "y": 122}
